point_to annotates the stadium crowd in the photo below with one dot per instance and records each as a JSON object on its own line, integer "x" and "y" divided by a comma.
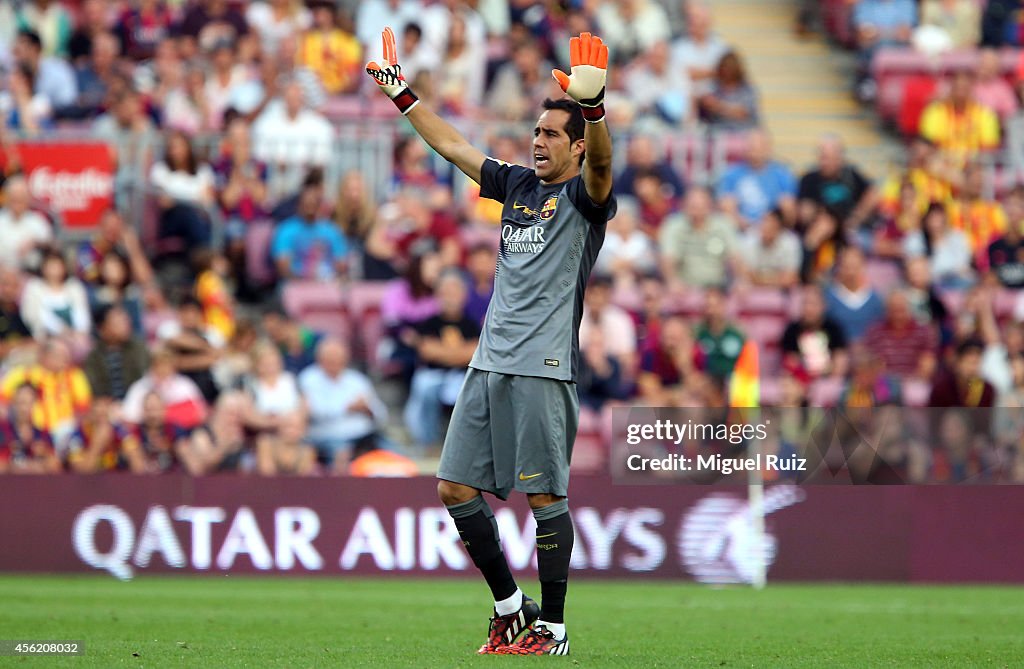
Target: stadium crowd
{"x": 171, "y": 338}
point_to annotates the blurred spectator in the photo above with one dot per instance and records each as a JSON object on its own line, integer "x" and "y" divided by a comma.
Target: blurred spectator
{"x": 719, "y": 339}
{"x": 208, "y": 22}
{"x": 333, "y": 54}
{"x": 344, "y": 409}
{"x": 960, "y": 125}
{"x": 413, "y": 165}
{"x": 101, "y": 445}
{"x": 184, "y": 187}
{"x": 272, "y": 390}
{"x": 814, "y": 344}
{"x": 837, "y": 185}
{"x": 948, "y": 250}
{"x": 959, "y": 19}
{"x": 999, "y": 25}
{"x": 112, "y": 237}
{"x": 214, "y": 297}
{"x": 289, "y": 134}
{"x": 990, "y": 88}
{"x": 407, "y": 302}
{"x": 51, "y": 21}
{"x": 160, "y": 442}
{"x": 771, "y": 255}
{"x": 979, "y": 217}
{"x": 143, "y": 25}
{"x": 286, "y": 451}
{"x": 125, "y": 126}
{"x": 355, "y": 207}
{"x": 24, "y": 448}
{"x": 186, "y": 107}
{"x": 183, "y": 403}
{"x": 617, "y": 328}
{"x": 869, "y": 386}
{"x": 225, "y": 75}
{"x": 220, "y": 444}
{"x": 630, "y": 26}
{"x": 460, "y": 83}
{"x": 667, "y": 369}
{"x": 277, "y": 20}
{"x": 905, "y": 346}
{"x": 52, "y": 77}
{"x": 444, "y": 345}
{"x": 645, "y": 153}
{"x": 850, "y": 300}
{"x": 417, "y": 55}
{"x": 897, "y": 222}
{"x": 881, "y": 23}
{"x": 1006, "y": 252}
{"x": 599, "y": 378}
{"x": 241, "y": 183}
{"x": 371, "y": 15}
{"x": 56, "y": 304}
{"x": 118, "y": 359}
{"x": 520, "y": 85}
{"x": 14, "y": 334}
{"x": 823, "y": 241}
{"x": 115, "y": 287}
{"x": 928, "y": 174}
{"x": 750, "y": 189}
{"x": 655, "y": 199}
{"x": 93, "y": 20}
{"x": 658, "y": 89}
{"x": 307, "y": 245}
{"x": 920, "y": 291}
{"x": 62, "y": 390}
{"x": 194, "y": 345}
{"x": 24, "y": 231}
{"x": 627, "y": 252}
{"x": 962, "y": 385}
{"x": 95, "y": 75}
{"x": 438, "y": 18}
{"x": 698, "y": 245}
{"x": 296, "y": 342}
{"x": 481, "y": 261}
{"x": 731, "y": 104}
{"x": 235, "y": 359}
{"x": 700, "y": 51}
{"x": 23, "y": 111}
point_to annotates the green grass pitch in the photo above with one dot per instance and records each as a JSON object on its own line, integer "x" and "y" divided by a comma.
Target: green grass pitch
{"x": 301, "y": 622}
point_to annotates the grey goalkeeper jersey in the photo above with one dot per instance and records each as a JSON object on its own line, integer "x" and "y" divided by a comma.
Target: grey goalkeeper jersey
{"x": 550, "y": 238}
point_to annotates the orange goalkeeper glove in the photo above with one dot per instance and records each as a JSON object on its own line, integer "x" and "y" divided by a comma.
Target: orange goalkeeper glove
{"x": 588, "y": 65}
{"x": 390, "y": 78}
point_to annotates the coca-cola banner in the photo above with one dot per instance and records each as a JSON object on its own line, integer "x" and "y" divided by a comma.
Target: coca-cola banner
{"x": 74, "y": 179}
{"x": 127, "y": 525}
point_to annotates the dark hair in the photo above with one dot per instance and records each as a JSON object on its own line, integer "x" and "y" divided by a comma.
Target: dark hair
{"x": 32, "y": 37}
{"x": 929, "y": 243}
{"x": 734, "y": 58}
{"x": 24, "y": 70}
{"x": 52, "y": 253}
{"x": 969, "y": 346}
{"x": 191, "y": 164}
{"x": 413, "y": 27}
{"x": 576, "y": 125}
{"x": 190, "y": 301}
{"x": 414, "y": 275}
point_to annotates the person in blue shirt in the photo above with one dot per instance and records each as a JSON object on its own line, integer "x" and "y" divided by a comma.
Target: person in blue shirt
{"x": 750, "y": 189}
{"x": 308, "y": 245}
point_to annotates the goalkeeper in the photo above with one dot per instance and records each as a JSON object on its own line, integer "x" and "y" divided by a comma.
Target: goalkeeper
{"x": 515, "y": 420}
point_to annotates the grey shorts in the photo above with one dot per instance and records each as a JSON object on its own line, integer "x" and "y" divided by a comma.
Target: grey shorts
{"x": 511, "y": 433}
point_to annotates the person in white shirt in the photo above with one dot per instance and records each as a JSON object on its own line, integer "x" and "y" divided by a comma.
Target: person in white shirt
{"x": 185, "y": 189}
{"x": 273, "y": 391}
{"x": 22, "y": 230}
{"x": 373, "y": 14}
{"x": 291, "y": 136}
{"x": 276, "y": 20}
{"x": 617, "y": 328}
{"x": 771, "y": 254}
{"x": 56, "y": 305}
{"x": 628, "y": 26}
{"x": 627, "y": 251}
{"x": 658, "y": 89}
{"x": 345, "y": 412}
{"x": 699, "y": 52}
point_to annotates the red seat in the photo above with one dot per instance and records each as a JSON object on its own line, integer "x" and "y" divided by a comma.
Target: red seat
{"x": 258, "y": 237}
{"x": 364, "y": 300}
{"x": 688, "y": 304}
{"x": 329, "y": 322}
{"x": 825, "y": 392}
{"x": 761, "y": 301}
{"x": 916, "y": 392}
{"x": 918, "y": 93}
{"x": 765, "y": 330}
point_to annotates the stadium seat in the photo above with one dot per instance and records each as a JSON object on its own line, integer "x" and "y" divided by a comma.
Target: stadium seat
{"x": 761, "y": 301}
{"x": 258, "y": 268}
{"x": 364, "y": 300}
{"x": 883, "y": 274}
{"x": 766, "y": 330}
{"x": 916, "y": 392}
{"x": 1004, "y": 304}
{"x": 301, "y": 297}
{"x": 771, "y": 389}
{"x": 689, "y": 303}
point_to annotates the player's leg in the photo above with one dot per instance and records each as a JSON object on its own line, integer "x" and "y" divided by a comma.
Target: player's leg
{"x": 467, "y": 467}
{"x": 546, "y": 436}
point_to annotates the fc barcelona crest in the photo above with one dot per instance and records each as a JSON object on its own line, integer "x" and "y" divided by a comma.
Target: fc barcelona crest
{"x": 548, "y": 210}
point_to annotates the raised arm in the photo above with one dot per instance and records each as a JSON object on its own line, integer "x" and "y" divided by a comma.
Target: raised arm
{"x": 588, "y": 61}
{"x": 437, "y": 132}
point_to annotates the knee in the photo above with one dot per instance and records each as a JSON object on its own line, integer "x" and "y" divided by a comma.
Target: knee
{"x": 541, "y": 500}
{"x": 455, "y": 493}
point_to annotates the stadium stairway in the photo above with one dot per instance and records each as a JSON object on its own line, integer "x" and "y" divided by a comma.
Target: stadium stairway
{"x": 804, "y": 85}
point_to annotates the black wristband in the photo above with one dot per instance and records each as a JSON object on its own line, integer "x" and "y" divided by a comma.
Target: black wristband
{"x": 593, "y": 114}
{"x": 405, "y": 100}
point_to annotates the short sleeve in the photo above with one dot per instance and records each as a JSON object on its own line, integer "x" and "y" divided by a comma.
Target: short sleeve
{"x": 280, "y": 247}
{"x": 497, "y": 178}
{"x": 596, "y": 214}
